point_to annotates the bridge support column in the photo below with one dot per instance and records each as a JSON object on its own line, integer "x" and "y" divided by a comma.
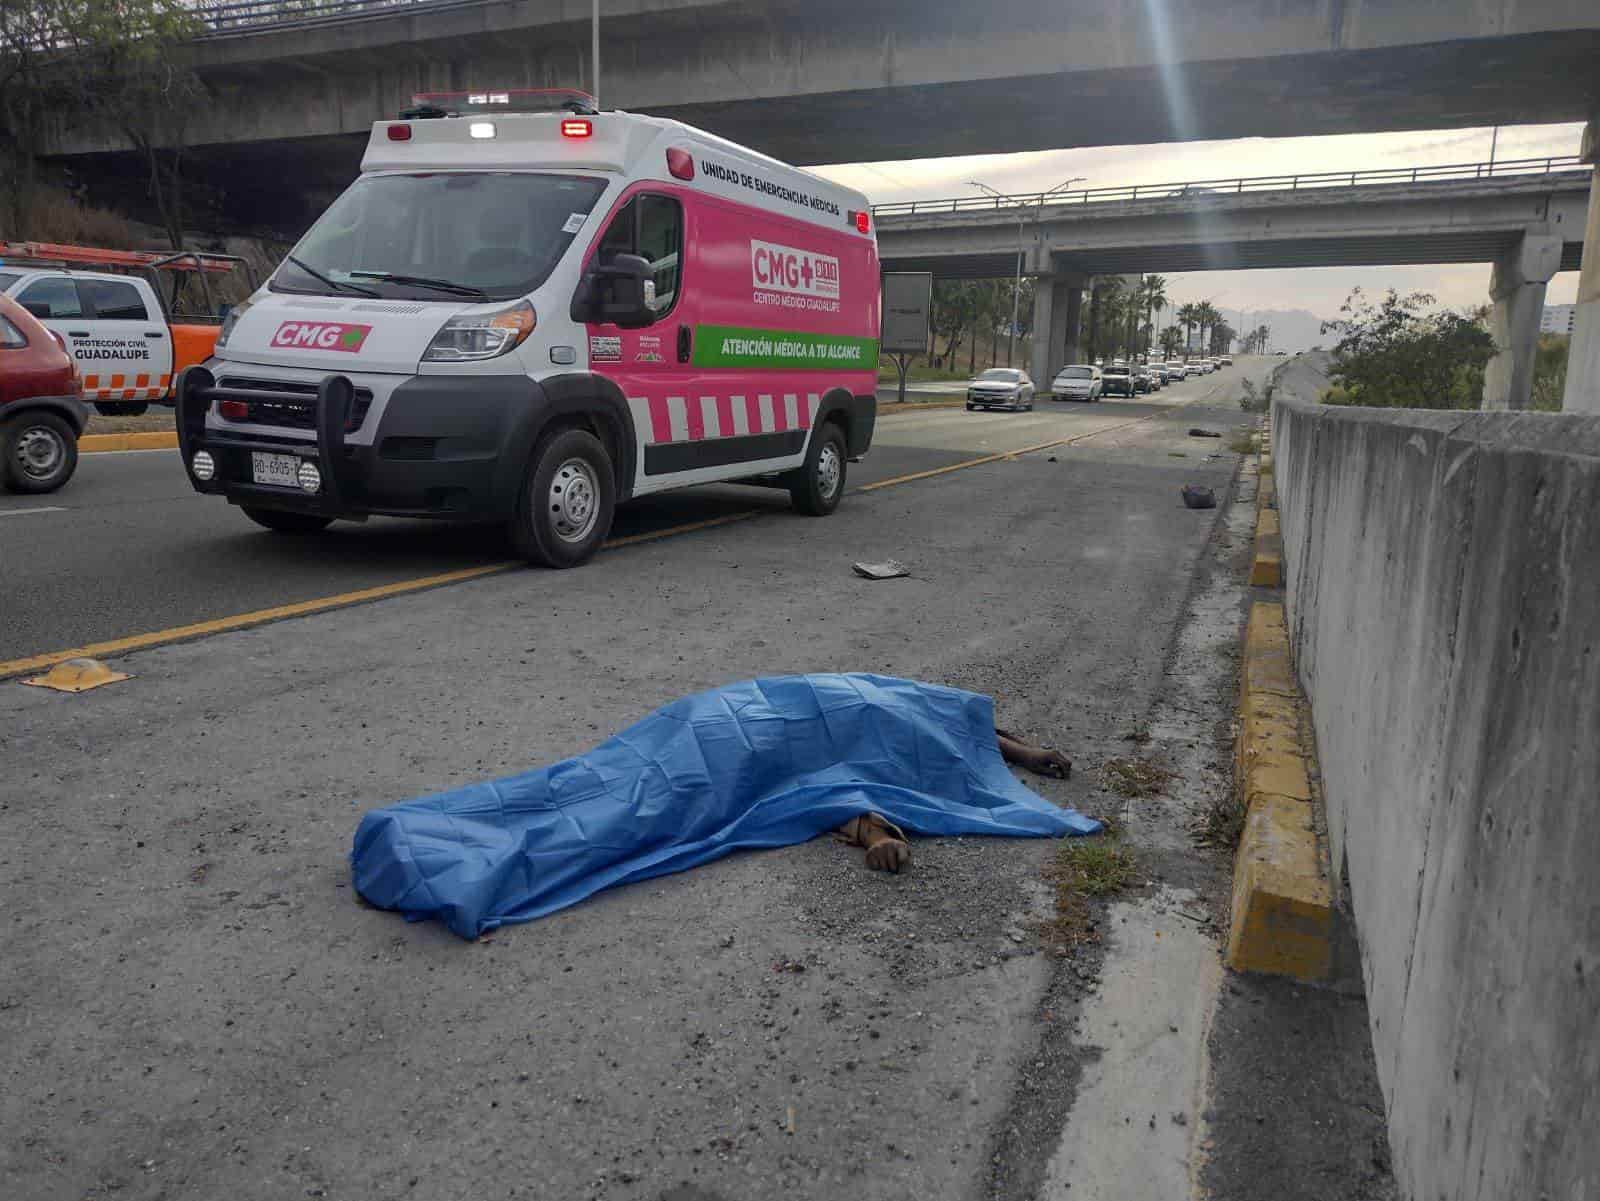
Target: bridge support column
{"x": 1057, "y": 303}
{"x": 1044, "y": 329}
{"x": 1583, "y": 355}
{"x": 1517, "y": 288}
{"x": 1072, "y": 313}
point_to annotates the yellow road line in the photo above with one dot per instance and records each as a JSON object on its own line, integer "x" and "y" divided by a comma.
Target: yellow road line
{"x": 687, "y": 528}
{"x": 995, "y": 458}
{"x": 149, "y": 440}
{"x": 242, "y": 621}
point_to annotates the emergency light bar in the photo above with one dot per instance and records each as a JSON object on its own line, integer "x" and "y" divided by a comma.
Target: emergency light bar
{"x": 57, "y": 254}
{"x": 426, "y": 105}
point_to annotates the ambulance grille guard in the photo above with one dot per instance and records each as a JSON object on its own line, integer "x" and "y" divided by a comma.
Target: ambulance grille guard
{"x": 331, "y": 408}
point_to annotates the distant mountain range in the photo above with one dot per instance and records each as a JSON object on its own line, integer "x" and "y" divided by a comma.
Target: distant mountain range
{"x": 1292, "y": 329}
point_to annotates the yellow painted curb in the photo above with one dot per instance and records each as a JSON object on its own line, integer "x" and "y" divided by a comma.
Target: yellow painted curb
{"x": 1282, "y": 911}
{"x": 1266, "y": 569}
{"x": 149, "y": 440}
{"x": 1266, "y": 654}
{"x": 1282, "y": 920}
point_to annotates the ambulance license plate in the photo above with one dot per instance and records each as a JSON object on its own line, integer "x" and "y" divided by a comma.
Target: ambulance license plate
{"x": 275, "y": 469}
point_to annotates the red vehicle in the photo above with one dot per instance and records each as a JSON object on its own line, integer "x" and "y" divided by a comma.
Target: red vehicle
{"x": 41, "y": 404}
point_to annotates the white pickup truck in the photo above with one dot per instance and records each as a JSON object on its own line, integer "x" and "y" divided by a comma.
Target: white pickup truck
{"x": 128, "y": 349}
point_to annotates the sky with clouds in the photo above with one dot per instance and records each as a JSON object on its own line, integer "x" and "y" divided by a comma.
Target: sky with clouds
{"x": 1321, "y": 290}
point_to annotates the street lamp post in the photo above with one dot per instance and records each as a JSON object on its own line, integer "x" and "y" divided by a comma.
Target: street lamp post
{"x": 1016, "y": 286}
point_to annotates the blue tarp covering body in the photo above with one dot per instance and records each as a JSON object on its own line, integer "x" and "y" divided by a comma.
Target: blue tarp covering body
{"x": 763, "y": 763}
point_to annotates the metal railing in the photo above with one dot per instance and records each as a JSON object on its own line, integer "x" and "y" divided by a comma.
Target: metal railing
{"x": 1200, "y": 190}
{"x": 240, "y": 16}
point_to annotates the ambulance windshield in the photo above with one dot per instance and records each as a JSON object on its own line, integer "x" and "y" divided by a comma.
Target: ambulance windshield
{"x": 437, "y": 236}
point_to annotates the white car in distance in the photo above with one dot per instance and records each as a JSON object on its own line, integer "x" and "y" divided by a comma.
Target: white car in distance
{"x": 1080, "y": 381}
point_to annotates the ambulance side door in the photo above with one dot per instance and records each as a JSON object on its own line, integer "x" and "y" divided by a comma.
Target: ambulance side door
{"x": 650, "y": 364}
{"x": 128, "y": 333}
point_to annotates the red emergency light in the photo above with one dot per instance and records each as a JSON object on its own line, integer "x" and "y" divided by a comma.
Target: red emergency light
{"x": 862, "y": 221}
{"x": 680, "y": 163}
{"x": 576, "y": 127}
{"x": 399, "y": 133}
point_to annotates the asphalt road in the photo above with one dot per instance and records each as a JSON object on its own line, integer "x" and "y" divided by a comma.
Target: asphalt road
{"x": 128, "y": 548}
{"x": 193, "y": 1007}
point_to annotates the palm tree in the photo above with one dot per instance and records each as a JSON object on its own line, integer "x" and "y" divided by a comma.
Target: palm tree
{"x": 1153, "y": 296}
{"x": 1188, "y": 317}
{"x": 1206, "y": 317}
{"x": 1105, "y": 313}
{"x": 1170, "y": 339}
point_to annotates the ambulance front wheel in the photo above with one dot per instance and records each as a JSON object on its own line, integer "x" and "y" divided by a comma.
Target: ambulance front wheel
{"x": 564, "y": 513}
{"x": 817, "y": 488}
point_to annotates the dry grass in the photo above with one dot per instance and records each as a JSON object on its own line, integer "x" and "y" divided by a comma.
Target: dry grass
{"x": 159, "y": 418}
{"x": 56, "y": 217}
{"x": 1242, "y": 443}
{"x": 1222, "y": 823}
{"x": 1135, "y": 778}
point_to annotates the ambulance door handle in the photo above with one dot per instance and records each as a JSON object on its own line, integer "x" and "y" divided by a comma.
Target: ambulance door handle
{"x": 77, "y": 333}
{"x": 153, "y": 333}
{"x": 685, "y": 343}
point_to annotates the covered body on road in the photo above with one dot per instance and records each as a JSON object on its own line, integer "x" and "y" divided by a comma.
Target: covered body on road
{"x": 764, "y": 763}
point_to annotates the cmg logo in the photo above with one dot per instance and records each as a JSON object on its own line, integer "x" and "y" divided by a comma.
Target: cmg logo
{"x": 776, "y": 268}
{"x": 320, "y": 335}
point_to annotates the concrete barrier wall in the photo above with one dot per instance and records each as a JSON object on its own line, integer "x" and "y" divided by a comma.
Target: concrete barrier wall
{"x": 1443, "y": 574}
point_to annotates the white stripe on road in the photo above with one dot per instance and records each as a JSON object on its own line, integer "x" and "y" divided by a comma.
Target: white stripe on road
{"x": 40, "y": 509}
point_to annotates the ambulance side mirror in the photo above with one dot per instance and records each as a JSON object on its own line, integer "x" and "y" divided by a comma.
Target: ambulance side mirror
{"x": 616, "y": 293}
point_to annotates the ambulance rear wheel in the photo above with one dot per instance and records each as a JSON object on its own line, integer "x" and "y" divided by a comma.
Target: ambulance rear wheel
{"x": 564, "y": 513}
{"x": 282, "y": 521}
{"x": 817, "y": 488}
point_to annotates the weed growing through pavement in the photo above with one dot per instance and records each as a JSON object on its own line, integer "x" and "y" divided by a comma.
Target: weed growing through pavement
{"x": 1243, "y": 442}
{"x": 1085, "y": 869}
{"x": 1222, "y": 823}
{"x": 1135, "y": 778}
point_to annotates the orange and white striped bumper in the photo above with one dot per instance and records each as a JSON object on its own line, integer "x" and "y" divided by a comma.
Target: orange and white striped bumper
{"x": 125, "y": 387}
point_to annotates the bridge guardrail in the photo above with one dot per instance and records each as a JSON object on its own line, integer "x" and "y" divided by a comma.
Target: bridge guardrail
{"x": 241, "y": 16}
{"x": 1216, "y": 189}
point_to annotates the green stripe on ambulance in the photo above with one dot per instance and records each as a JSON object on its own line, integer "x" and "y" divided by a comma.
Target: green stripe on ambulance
{"x": 734, "y": 346}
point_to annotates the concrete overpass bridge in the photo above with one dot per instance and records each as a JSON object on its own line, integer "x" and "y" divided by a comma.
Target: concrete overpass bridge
{"x": 295, "y": 86}
{"x": 1526, "y": 217}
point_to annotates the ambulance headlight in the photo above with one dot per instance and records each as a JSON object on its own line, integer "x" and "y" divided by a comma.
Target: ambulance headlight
{"x": 481, "y": 335}
{"x": 231, "y": 320}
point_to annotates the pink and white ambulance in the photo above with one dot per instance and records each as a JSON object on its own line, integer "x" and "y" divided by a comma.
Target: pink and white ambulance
{"x": 530, "y": 317}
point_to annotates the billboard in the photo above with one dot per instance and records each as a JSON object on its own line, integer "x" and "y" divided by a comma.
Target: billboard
{"x": 907, "y": 302}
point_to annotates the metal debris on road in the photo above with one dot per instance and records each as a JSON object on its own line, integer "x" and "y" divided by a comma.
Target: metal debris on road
{"x": 889, "y": 569}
